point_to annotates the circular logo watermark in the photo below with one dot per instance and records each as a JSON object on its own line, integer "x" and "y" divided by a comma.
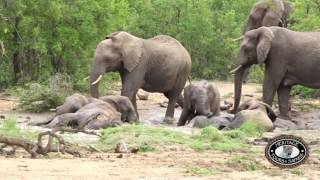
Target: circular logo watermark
{"x": 287, "y": 151}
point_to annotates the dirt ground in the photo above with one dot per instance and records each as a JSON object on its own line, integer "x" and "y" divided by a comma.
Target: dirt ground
{"x": 172, "y": 162}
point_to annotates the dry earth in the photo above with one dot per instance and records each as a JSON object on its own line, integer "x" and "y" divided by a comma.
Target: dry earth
{"x": 172, "y": 162}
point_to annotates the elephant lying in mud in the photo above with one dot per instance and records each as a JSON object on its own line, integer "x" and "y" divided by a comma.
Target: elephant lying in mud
{"x": 201, "y": 99}
{"x": 253, "y": 111}
{"x": 79, "y": 109}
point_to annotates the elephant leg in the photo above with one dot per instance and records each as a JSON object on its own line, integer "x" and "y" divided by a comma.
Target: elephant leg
{"x": 180, "y": 101}
{"x": 284, "y": 104}
{"x": 184, "y": 117}
{"x": 270, "y": 86}
{"x": 130, "y": 87}
{"x": 62, "y": 120}
{"x": 171, "y": 106}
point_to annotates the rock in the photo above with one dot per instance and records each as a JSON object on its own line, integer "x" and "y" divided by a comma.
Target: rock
{"x": 121, "y": 147}
{"x": 142, "y": 95}
{"x": 285, "y": 124}
{"x": 135, "y": 150}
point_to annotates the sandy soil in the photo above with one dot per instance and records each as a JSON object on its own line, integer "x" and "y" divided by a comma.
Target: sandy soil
{"x": 172, "y": 162}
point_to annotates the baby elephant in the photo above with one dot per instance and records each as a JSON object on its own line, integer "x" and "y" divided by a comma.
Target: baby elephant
{"x": 202, "y": 99}
{"x": 256, "y": 112}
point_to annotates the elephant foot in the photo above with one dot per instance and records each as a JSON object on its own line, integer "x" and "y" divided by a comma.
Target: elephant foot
{"x": 169, "y": 120}
{"x": 284, "y": 117}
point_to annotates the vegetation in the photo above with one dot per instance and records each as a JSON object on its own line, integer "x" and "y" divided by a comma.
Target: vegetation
{"x": 41, "y": 38}
{"x": 244, "y": 163}
{"x": 155, "y": 138}
{"x": 10, "y": 128}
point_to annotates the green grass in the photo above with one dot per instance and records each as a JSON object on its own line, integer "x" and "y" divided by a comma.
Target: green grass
{"x": 244, "y": 163}
{"x": 297, "y": 171}
{"x": 200, "y": 171}
{"x": 154, "y": 138}
{"x": 9, "y": 128}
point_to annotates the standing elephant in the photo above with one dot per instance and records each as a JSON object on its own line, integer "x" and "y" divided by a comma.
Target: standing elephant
{"x": 269, "y": 13}
{"x": 290, "y": 58}
{"x": 203, "y": 99}
{"x": 160, "y": 64}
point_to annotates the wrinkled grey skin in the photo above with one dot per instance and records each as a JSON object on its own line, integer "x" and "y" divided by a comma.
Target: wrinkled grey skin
{"x": 72, "y": 104}
{"x": 95, "y": 115}
{"x": 202, "y": 99}
{"x": 160, "y": 64}
{"x": 123, "y": 105}
{"x": 255, "y": 106}
{"x": 268, "y": 13}
{"x": 76, "y": 101}
{"x": 290, "y": 57}
{"x": 220, "y": 122}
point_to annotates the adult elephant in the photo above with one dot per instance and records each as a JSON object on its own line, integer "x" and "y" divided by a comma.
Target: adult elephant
{"x": 160, "y": 64}
{"x": 269, "y": 13}
{"x": 290, "y": 58}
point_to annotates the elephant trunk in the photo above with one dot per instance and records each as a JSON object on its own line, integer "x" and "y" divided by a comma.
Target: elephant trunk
{"x": 238, "y": 88}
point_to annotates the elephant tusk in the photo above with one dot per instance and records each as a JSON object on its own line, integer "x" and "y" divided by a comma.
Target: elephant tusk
{"x": 86, "y": 78}
{"x": 96, "y": 81}
{"x": 236, "y": 69}
{"x": 238, "y": 39}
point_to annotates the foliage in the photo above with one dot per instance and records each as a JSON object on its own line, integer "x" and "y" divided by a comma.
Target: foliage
{"x": 154, "y": 138}
{"x": 35, "y": 97}
{"x": 305, "y": 92}
{"x": 201, "y": 171}
{"x": 244, "y": 163}
{"x": 41, "y": 38}
{"x": 11, "y": 129}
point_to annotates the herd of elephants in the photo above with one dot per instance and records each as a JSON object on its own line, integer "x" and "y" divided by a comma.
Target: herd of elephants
{"x": 161, "y": 64}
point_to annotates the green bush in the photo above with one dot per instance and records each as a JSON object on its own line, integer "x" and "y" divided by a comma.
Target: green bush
{"x": 36, "y": 97}
{"x": 305, "y": 92}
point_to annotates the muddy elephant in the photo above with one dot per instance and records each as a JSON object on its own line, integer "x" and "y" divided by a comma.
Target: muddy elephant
{"x": 95, "y": 115}
{"x": 76, "y": 101}
{"x": 160, "y": 64}
{"x": 256, "y": 112}
{"x": 269, "y": 13}
{"x": 220, "y": 122}
{"x": 201, "y": 99}
{"x": 290, "y": 58}
{"x": 123, "y": 105}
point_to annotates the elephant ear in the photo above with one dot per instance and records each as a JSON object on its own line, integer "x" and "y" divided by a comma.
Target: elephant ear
{"x": 265, "y": 38}
{"x": 130, "y": 47}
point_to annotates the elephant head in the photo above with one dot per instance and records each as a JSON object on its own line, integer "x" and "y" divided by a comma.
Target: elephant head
{"x": 120, "y": 51}
{"x": 123, "y": 105}
{"x": 269, "y": 13}
{"x": 254, "y": 49}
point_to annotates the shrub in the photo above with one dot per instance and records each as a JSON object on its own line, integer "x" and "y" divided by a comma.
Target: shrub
{"x": 305, "y": 92}
{"x": 36, "y": 97}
